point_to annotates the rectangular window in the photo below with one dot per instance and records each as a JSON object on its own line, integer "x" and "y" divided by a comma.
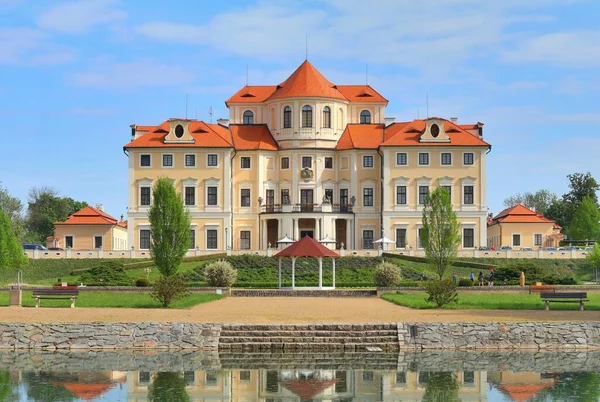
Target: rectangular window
{"x": 211, "y": 379}
{"x": 212, "y": 160}
{"x": 245, "y": 162}
{"x": 245, "y": 374}
{"x": 190, "y": 160}
{"x": 367, "y": 376}
{"x": 368, "y": 239}
{"x": 245, "y": 200}
{"x": 401, "y": 195}
{"x": 97, "y": 241}
{"x": 285, "y": 196}
{"x": 419, "y": 237}
{"x": 270, "y": 198}
{"x": 211, "y": 195}
{"x": 329, "y": 194}
{"x": 468, "y": 195}
{"x": 285, "y": 163}
{"x": 211, "y": 239}
{"x": 167, "y": 160}
{"x": 144, "y": 239}
{"x": 341, "y": 383}
{"x": 446, "y": 158}
{"x": 306, "y": 162}
{"x": 144, "y": 195}
{"x": 190, "y": 196}
{"x": 537, "y": 239}
{"x": 516, "y": 240}
{"x": 423, "y": 193}
{"x": 368, "y": 161}
{"x": 367, "y": 197}
{"x": 144, "y": 377}
{"x": 245, "y": 240}
{"x": 469, "y": 378}
{"x": 400, "y": 238}
{"x": 401, "y": 378}
{"x": 468, "y": 158}
{"x": 449, "y": 190}
{"x": 189, "y": 377}
{"x": 145, "y": 160}
{"x": 468, "y": 238}
{"x": 328, "y": 162}
{"x": 423, "y": 159}
{"x": 192, "y": 238}
{"x": 69, "y": 241}
{"x": 401, "y": 159}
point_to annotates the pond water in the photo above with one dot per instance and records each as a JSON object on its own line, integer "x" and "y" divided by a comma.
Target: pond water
{"x": 245, "y": 377}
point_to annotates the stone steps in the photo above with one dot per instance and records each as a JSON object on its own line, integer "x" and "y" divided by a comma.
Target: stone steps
{"x": 308, "y": 346}
{"x": 316, "y": 339}
{"x": 309, "y": 334}
{"x": 308, "y": 327}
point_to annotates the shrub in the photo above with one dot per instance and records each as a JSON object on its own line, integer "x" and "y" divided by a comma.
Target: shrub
{"x": 387, "y": 275}
{"x": 106, "y": 273}
{"x": 465, "y": 283}
{"x": 441, "y": 292}
{"x": 142, "y": 283}
{"x": 220, "y": 273}
{"x": 168, "y": 289}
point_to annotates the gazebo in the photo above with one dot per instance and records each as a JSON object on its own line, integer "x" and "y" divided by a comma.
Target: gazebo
{"x": 307, "y": 247}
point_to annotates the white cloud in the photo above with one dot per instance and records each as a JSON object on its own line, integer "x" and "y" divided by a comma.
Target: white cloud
{"x": 579, "y": 49}
{"x": 132, "y": 75}
{"x": 80, "y": 16}
{"x": 16, "y": 43}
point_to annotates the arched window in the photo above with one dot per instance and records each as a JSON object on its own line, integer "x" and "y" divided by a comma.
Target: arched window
{"x": 365, "y": 117}
{"x": 248, "y": 117}
{"x": 307, "y": 116}
{"x": 326, "y": 117}
{"x": 287, "y": 117}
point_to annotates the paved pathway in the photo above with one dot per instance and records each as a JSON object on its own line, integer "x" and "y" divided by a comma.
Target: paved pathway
{"x": 288, "y": 310}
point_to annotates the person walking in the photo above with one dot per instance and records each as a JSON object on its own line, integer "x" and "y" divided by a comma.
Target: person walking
{"x": 491, "y": 277}
{"x": 480, "y": 278}
{"x": 472, "y": 277}
{"x": 522, "y": 279}
{"x": 455, "y": 278}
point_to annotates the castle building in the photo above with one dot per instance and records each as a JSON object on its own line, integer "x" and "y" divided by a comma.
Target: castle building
{"x": 308, "y": 158}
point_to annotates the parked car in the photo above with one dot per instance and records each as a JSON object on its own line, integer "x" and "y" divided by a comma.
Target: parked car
{"x": 570, "y": 248}
{"x": 55, "y": 249}
{"x": 34, "y": 247}
{"x": 506, "y": 248}
{"x": 484, "y": 248}
{"x": 550, "y": 249}
{"x": 526, "y": 249}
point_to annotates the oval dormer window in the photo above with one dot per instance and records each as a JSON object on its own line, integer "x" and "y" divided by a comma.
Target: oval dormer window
{"x": 435, "y": 130}
{"x": 179, "y": 131}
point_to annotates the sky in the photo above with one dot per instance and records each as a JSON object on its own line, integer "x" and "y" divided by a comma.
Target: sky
{"x": 74, "y": 75}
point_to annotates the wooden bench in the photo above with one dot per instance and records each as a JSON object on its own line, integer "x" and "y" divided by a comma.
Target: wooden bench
{"x": 56, "y": 293}
{"x": 564, "y": 297}
{"x": 541, "y": 288}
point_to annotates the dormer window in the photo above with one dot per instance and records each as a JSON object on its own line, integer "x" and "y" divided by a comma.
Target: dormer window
{"x": 179, "y": 131}
{"x": 306, "y": 116}
{"x": 435, "y": 130}
{"x": 248, "y": 117}
{"x": 365, "y": 117}
{"x": 287, "y": 117}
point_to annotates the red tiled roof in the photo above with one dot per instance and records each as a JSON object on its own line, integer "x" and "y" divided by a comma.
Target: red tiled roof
{"x": 91, "y": 216}
{"x": 361, "y": 93}
{"x": 522, "y": 392}
{"x": 252, "y": 136}
{"x": 307, "y": 389}
{"x": 306, "y": 81}
{"x": 521, "y": 214}
{"x": 402, "y": 134}
{"x": 252, "y": 94}
{"x": 205, "y": 136}
{"x": 307, "y": 247}
{"x": 86, "y": 391}
{"x": 361, "y": 136}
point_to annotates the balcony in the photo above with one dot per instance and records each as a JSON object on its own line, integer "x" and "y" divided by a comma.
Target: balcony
{"x": 306, "y": 208}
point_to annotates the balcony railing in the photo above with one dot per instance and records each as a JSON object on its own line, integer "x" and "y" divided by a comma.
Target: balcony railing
{"x": 277, "y": 208}
{"x": 342, "y": 208}
{"x": 307, "y": 208}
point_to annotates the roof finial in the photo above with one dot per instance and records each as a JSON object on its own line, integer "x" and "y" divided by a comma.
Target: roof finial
{"x": 306, "y": 47}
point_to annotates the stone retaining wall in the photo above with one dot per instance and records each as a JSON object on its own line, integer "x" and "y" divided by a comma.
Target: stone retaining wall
{"x": 302, "y": 293}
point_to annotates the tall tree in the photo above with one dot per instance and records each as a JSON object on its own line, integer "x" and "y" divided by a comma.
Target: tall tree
{"x": 13, "y": 207}
{"x": 585, "y": 224}
{"x": 168, "y": 387}
{"x": 44, "y": 208}
{"x": 170, "y": 226}
{"x": 593, "y": 258}
{"x": 541, "y": 200}
{"x": 558, "y": 212}
{"x": 581, "y": 185}
{"x": 441, "y": 234}
{"x": 11, "y": 252}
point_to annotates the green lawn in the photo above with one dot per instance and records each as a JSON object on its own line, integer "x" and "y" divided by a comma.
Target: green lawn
{"x": 113, "y": 299}
{"x": 491, "y": 301}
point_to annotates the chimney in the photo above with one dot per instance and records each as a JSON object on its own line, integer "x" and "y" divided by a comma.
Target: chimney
{"x": 454, "y": 119}
{"x": 133, "y": 127}
{"x": 223, "y": 122}
{"x": 121, "y": 217}
{"x": 480, "y": 127}
{"x": 100, "y": 207}
{"x": 388, "y": 121}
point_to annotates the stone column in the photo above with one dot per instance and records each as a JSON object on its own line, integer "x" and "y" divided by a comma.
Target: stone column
{"x": 349, "y": 235}
{"x": 317, "y": 229}
{"x": 320, "y": 272}
{"x": 296, "y": 230}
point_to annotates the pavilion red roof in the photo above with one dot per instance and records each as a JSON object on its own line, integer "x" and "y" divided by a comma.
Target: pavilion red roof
{"x": 307, "y": 389}
{"x": 307, "y": 247}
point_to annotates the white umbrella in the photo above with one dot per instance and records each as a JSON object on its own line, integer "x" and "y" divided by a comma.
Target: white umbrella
{"x": 285, "y": 241}
{"x": 384, "y": 240}
{"x": 327, "y": 240}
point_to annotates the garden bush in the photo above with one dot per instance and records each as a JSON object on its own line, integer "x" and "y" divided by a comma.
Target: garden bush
{"x": 106, "y": 273}
{"x": 220, "y": 273}
{"x": 168, "y": 289}
{"x": 465, "y": 283}
{"x": 142, "y": 283}
{"x": 441, "y": 292}
{"x": 387, "y": 275}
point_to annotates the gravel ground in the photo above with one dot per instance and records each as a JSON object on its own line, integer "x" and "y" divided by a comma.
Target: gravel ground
{"x": 270, "y": 310}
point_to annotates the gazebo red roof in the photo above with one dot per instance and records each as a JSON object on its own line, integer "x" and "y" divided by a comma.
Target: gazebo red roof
{"x": 307, "y": 389}
{"x": 307, "y": 247}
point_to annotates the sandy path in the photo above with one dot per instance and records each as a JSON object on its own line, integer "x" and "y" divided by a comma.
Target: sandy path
{"x": 287, "y": 310}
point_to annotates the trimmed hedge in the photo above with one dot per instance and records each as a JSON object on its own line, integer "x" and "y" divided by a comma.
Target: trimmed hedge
{"x": 423, "y": 260}
{"x": 150, "y": 263}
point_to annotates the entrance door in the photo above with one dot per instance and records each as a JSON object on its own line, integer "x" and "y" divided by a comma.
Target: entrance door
{"x": 306, "y": 201}
{"x": 272, "y": 232}
{"x": 308, "y": 233}
{"x": 340, "y": 234}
